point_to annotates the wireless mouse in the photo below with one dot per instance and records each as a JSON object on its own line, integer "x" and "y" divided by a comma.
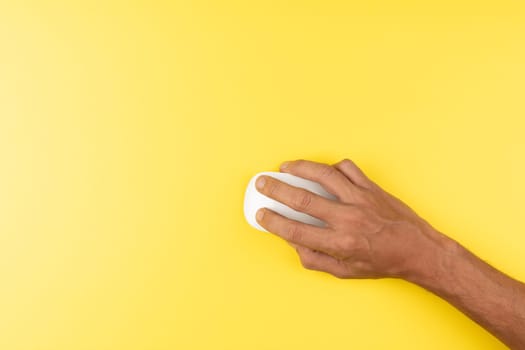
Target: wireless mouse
{"x": 254, "y": 200}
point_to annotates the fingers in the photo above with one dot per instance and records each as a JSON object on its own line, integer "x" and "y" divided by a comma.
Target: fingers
{"x": 295, "y": 232}
{"x": 296, "y": 198}
{"x": 329, "y": 177}
{"x": 318, "y": 261}
{"x": 353, "y": 173}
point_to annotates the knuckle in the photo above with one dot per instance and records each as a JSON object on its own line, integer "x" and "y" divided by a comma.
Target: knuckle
{"x": 294, "y": 233}
{"x": 346, "y": 217}
{"x": 299, "y": 162}
{"x": 347, "y": 162}
{"x": 272, "y": 187}
{"x": 342, "y": 271}
{"x": 339, "y": 274}
{"x": 345, "y": 245}
{"x": 307, "y": 263}
{"x": 327, "y": 171}
{"x": 303, "y": 201}
{"x": 354, "y": 215}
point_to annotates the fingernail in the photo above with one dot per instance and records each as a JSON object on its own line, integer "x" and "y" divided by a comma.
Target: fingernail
{"x": 260, "y": 182}
{"x": 260, "y": 214}
{"x": 285, "y": 165}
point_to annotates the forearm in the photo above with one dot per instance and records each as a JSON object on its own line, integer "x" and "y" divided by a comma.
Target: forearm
{"x": 492, "y": 299}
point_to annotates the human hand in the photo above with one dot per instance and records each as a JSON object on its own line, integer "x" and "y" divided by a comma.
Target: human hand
{"x": 369, "y": 233}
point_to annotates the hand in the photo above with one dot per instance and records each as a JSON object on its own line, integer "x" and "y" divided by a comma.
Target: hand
{"x": 369, "y": 233}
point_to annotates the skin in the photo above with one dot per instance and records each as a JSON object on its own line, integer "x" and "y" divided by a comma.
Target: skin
{"x": 369, "y": 233}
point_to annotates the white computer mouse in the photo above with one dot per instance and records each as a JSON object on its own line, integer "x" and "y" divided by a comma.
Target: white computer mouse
{"x": 254, "y": 200}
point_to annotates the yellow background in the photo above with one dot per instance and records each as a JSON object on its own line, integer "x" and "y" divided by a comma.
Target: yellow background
{"x": 129, "y": 130}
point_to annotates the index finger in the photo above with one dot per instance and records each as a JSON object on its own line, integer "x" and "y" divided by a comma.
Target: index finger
{"x": 297, "y": 198}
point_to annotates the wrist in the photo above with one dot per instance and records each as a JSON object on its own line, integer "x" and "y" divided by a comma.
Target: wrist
{"x": 436, "y": 256}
